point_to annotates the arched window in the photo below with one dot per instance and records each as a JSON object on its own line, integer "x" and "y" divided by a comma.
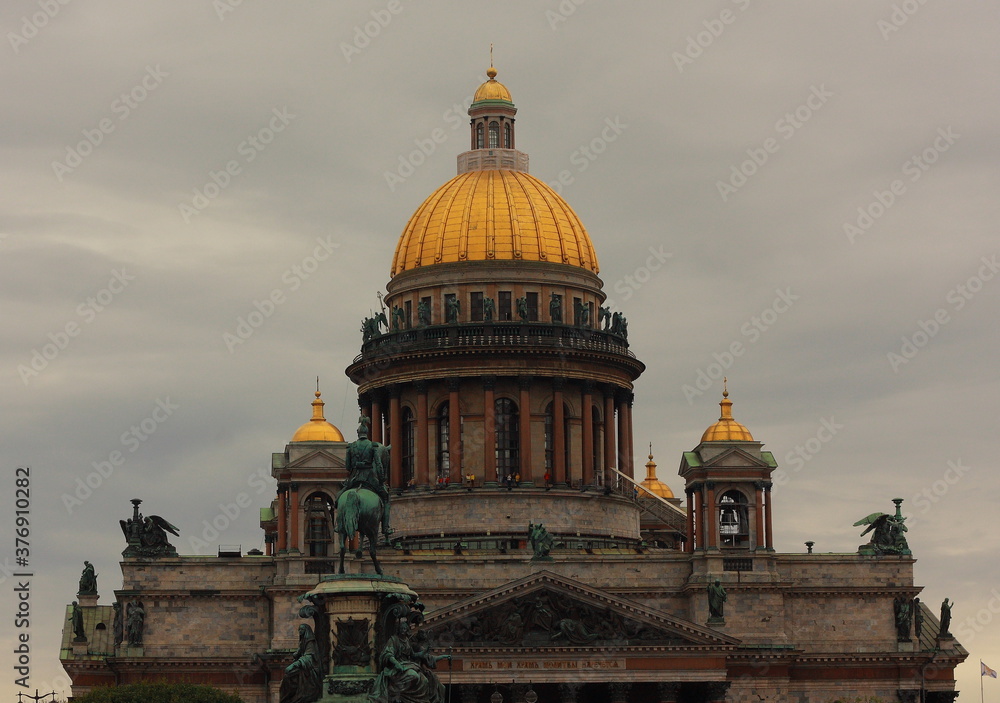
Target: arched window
{"x": 494, "y": 135}
{"x": 408, "y": 449}
{"x": 479, "y": 135}
{"x": 508, "y": 438}
{"x": 734, "y": 523}
{"x": 443, "y": 434}
{"x": 319, "y": 525}
{"x": 550, "y": 438}
{"x": 506, "y": 137}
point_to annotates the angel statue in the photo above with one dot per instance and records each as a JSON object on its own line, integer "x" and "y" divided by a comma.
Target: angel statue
{"x": 887, "y": 532}
{"x": 147, "y": 536}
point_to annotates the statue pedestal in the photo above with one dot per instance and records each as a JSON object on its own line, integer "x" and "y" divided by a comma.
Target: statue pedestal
{"x": 716, "y": 621}
{"x": 80, "y": 647}
{"x": 87, "y": 601}
{"x": 905, "y": 646}
{"x": 352, "y": 603}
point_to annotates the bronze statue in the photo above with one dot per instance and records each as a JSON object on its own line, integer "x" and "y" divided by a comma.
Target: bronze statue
{"x": 555, "y": 307}
{"x": 352, "y": 647}
{"x": 454, "y": 308}
{"x": 887, "y": 533}
{"x": 135, "y": 617}
{"x": 303, "y": 680}
{"x": 489, "y": 308}
{"x": 406, "y": 673}
{"x": 945, "y": 619}
{"x": 119, "y": 625}
{"x": 398, "y": 316}
{"x": 321, "y": 627}
{"x": 423, "y": 313}
{"x": 902, "y": 612}
{"x": 541, "y": 541}
{"x": 522, "y": 308}
{"x": 76, "y": 617}
{"x": 604, "y": 316}
{"x": 88, "y": 581}
{"x": 918, "y": 618}
{"x": 716, "y": 599}
{"x": 147, "y": 536}
{"x": 363, "y": 504}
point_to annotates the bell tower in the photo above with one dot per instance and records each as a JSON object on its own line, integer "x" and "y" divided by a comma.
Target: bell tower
{"x": 728, "y": 485}
{"x": 492, "y": 130}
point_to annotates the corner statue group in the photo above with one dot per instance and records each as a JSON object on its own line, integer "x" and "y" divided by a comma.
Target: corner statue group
{"x": 363, "y": 504}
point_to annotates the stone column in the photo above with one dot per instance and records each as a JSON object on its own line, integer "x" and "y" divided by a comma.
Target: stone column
{"x": 711, "y": 517}
{"x": 716, "y": 691}
{"x": 759, "y": 515}
{"x": 454, "y": 430}
{"x": 618, "y": 692}
{"x": 558, "y": 433}
{"x": 689, "y": 544}
{"x": 623, "y": 434}
{"x": 395, "y": 439}
{"x": 588, "y": 433}
{"x": 376, "y": 416}
{"x": 768, "y": 533}
{"x": 524, "y": 431}
{"x": 630, "y": 446}
{"x": 489, "y": 429}
{"x": 282, "y": 519}
{"x": 609, "y": 429}
{"x": 423, "y": 436}
{"x": 570, "y": 692}
{"x": 668, "y": 691}
{"x": 294, "y": 546}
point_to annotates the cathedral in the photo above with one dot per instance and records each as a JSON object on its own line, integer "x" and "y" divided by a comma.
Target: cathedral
{"x": 551, "y": 562}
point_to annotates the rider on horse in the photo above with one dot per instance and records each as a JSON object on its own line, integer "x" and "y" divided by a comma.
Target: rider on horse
{"x": 364, "y": 466}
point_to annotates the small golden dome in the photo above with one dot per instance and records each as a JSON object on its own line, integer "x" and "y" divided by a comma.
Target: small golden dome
{"x": 494, "y": 215}
{"x": 651, "y": 483}
{"x": 727, "y": 429}
{"x": 492, "y": 89}
{"x": 317, "y": 429}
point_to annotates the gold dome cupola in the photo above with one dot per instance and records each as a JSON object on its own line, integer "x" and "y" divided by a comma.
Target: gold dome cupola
{"x": 727, "y": 429}
{"x": 492, "y": 129}
{"x": 318, "y": 429}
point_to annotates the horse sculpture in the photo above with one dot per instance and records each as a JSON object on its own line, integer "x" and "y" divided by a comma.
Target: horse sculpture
{"x": 359, "y": 510}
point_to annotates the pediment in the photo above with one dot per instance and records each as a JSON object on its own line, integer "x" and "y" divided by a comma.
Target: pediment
{"x": 549, "y": 610}
{"x": 319, "y": 459}
{"x": 734, "y": 457}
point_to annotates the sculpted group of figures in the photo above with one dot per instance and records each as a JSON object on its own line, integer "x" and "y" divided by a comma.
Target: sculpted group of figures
{"x": 613, "y": 322}
{"x": 404, "y": 661}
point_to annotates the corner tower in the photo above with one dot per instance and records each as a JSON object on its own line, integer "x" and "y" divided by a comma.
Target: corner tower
{"x": 496, "y": 366}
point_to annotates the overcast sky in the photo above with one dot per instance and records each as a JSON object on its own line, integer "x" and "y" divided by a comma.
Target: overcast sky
{"x": 814, "y": 183}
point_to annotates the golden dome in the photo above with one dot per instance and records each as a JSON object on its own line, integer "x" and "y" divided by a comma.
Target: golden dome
{"x": 317, "y": 429}
{"x": 492, "y": 89}
{"x": 652, "y": 484}
{"x": 494, "y": 215}
{"x": 727, "y": 429}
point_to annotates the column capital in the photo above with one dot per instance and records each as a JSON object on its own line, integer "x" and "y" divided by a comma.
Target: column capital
{"x": 710, "y": 485}
{"x": 589, "y": 387}
{"x": 669, "y": 691}
{"x": 767, "y": 486}
{"x": 524, "y": 382}
{"x": 759, "y": 485}
{"x": 558, "y": 383}
{"x": 420, "y": 386}
{"x": 394, "y": 391}
{"x": 717, "y": 691}
{"x": 489, "y": 382}
{"x": 294, "y": 487}
{"x": 619, "y": 691}
{"x": 454, "y": 384}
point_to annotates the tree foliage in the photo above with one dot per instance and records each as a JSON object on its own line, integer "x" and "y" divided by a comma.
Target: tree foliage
{"x": 146, "y": 692}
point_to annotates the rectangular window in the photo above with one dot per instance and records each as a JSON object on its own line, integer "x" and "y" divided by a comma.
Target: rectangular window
{"x": 476, "y": 306}
{"x": 408, "y": 313}
{"x": 532, "y": 306}
{"x": 503, "y": 306}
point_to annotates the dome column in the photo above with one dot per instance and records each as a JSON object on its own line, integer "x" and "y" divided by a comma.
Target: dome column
{"x": 294, "y": 546}
{"x": 623, "y": 459}
{"x": 376, "y": 417}
{"x": 395, "y": 440}
{"x": 558, "y": 432}
{"x": 282, "y": 519}
{"x": 489, "y": 429}
{"x": 691, "y": 509}
{"x": 630, "y": 442}
{"x": 524, "y": 415}
{"x": 609, "y": 428}
{"x": 588, "y": 432}
{"x": 711, "y": 517}
{"x": 759, "y": 513}
{"x": 768, "y": 533}
{"x": 423, "y": 445}
{"x": 454, "y": 430}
